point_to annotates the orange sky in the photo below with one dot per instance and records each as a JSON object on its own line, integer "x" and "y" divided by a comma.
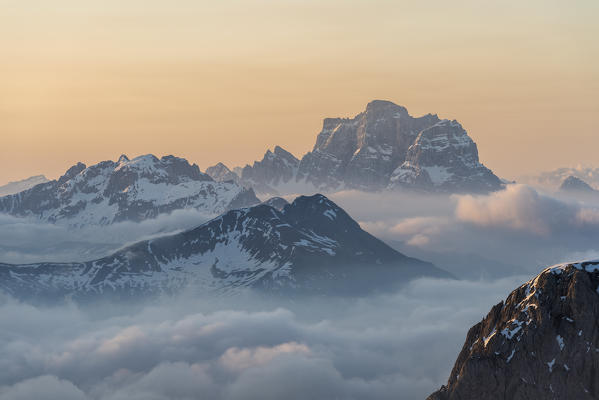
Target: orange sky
{"x": 224, "y": 80}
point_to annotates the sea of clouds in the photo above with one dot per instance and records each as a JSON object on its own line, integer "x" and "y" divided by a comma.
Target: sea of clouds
{"x": 396, "y": 345}
{"x": 387, "y": 346}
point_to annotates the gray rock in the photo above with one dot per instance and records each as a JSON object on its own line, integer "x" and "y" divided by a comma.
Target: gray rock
{"x": 221, "y": 173}
{"x": 381, "y": 148}
{"x": 275, "y": 168}
{"x": 444, "y": 158}
{"x": 541, "y": 343}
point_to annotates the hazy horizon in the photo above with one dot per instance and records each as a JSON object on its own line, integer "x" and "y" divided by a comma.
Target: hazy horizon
{"x": 225, "y": 81}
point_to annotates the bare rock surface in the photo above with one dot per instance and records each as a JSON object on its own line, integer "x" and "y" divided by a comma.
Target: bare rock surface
{"x": 542, "y": 342}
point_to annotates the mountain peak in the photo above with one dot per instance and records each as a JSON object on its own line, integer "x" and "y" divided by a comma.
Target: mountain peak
{"x": 378, "y": 149}
{"x": 382, "y": 105}
{"x": 123, "y": 158}
{"x": 72, "y": 172}
{"x": 574, "y": 184}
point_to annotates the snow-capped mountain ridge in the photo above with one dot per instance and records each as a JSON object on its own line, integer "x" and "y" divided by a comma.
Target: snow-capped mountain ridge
{"x": 312, "y": 245}
{"x": 126, "y": 190}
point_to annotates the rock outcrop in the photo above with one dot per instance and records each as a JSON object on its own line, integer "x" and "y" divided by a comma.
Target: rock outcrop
{"x": 541, "y": 343}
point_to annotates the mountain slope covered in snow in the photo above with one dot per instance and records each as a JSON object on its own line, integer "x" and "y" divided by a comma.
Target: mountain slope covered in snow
{"x": 126, "y": 190}
{"x": 309, "y": 246}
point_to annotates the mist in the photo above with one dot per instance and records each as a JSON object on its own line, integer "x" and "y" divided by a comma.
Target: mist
{"x": 518, "y": 230}
{"x": 515, "y": 231}
{"x": 397, "y": 345}
{"x": 385, "y": 346}
{"x": 28, "y": 240}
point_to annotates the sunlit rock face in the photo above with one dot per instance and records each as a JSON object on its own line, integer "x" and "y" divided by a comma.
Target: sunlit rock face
{"x": 444, "y": 158}
{"x": 126, "y": 190}
{"x": 383, "y": 147}
{"x": 541, "y": 343}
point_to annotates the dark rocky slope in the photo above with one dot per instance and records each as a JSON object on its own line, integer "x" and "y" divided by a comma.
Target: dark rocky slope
{"x": 541, "y": 343}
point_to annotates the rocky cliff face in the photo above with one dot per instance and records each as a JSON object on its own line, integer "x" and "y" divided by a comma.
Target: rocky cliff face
{"x": 276, "y": 168}
{"x": 362, "y": 152}
{"x": 383, "y": 147}
{"x": 444, "y": 158}
{"x": 126, "y": 190}
{"x": 541, "y": 343}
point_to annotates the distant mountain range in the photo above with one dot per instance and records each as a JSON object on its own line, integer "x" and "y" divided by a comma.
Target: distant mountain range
{"x": 309, "y": 246}
{"x": 382, "y": 148}
{"x": 126, "y": 190}
{"x": 19, "y": 186}
{"x": 541, "y": 343}
{"x": 553, "y": 179}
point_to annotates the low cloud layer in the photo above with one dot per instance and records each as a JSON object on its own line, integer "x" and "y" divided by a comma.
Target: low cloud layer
{"x": 517, "y": 229}
{"x": 400, "y": 345}
{"x": 522, "y": 208}
{"x": 27, "y": 240}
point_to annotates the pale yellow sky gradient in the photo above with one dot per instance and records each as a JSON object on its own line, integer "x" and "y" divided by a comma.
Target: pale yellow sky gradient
{"x": 225, "y": 80}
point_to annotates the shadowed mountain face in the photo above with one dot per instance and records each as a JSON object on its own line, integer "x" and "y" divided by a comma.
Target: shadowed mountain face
{"x": 574, "y": 184}
{"x": 541, "y": 343}
{"x": 126, "y": 190}
{"x": 383, "y": 147}
{"x": 310, "y": 246}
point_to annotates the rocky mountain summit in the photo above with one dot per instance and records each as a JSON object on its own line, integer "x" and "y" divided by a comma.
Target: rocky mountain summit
{"x": 541, "y": 343}
{"x": 19, "y": 186}
{"x": 276, "y": 168}
{"x": 308, "y": 246}
{"x": 126, "y": 190}
{"x": 221, "y": 173}
{"x": 383, "y": 147}
{"x": 574, "y": 184}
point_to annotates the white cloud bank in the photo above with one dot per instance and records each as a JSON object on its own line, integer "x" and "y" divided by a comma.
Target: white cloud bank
{"x": 399, "y": 345}
{"x": 519, "y": 226}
